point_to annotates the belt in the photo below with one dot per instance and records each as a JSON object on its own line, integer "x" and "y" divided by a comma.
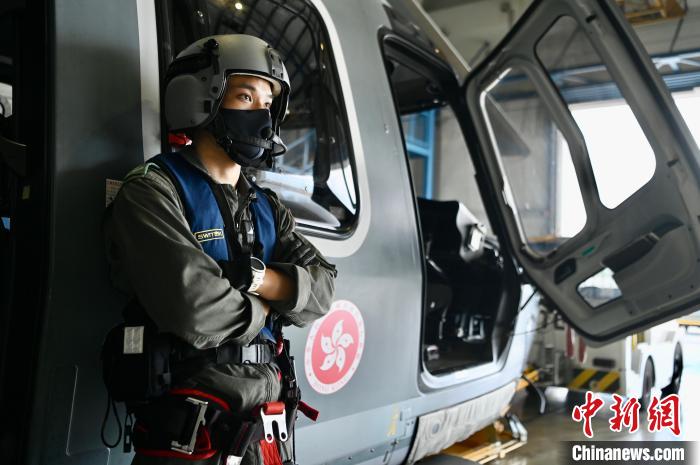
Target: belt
{"x": 257, "y": 353}
{"x": 185, "y": 360}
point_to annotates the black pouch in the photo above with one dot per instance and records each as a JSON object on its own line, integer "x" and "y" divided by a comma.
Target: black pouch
{"x": 136, "y": 362}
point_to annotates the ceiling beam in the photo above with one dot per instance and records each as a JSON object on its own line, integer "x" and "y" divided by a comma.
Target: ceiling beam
{"x": 434, "y": 5}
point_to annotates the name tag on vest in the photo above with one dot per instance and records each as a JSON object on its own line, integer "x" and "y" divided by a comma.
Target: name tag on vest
{"x": 209, "y": 235}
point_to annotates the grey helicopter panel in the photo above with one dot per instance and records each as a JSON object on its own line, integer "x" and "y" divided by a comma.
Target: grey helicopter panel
{"x": 96, "y": 121}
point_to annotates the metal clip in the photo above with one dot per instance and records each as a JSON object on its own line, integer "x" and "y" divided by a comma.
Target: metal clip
{"x": 269, "y": 422}
{"x": 233, "y": 460}
{"x": 200, "y": 421}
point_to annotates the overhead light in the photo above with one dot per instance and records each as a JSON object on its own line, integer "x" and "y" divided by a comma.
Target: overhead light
{"x": 238, "y": 6}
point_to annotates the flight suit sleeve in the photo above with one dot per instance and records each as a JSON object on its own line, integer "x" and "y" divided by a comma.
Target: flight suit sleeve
{"x": 154, "y": 257}
{"x": 313, "y": 274}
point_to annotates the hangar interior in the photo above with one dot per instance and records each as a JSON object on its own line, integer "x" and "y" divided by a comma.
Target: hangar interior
{"x": 467, "y": 316}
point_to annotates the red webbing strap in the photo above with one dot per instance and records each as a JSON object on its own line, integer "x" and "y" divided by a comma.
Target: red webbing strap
{"x": 203, "y": 447}
{"x": 178, "y": 139}
{"x": 270, "y": 453}
{"x": 273, "y": 408}
{"x": 308, "y": 410}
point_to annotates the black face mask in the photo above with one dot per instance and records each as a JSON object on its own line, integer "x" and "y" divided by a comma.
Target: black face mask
{"x": 244, "y": 134}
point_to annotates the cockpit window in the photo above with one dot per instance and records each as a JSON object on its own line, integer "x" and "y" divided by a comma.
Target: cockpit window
{"x": 315, "y": 179}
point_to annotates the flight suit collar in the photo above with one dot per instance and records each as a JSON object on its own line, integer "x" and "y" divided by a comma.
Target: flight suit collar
{"x": 243, "y": 187}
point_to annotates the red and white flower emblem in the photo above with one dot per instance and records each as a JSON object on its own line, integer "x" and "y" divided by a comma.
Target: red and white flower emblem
{"x": 334, "y": 348}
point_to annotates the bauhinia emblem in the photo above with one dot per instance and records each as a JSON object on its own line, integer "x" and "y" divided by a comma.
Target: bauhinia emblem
{"x": 334, "y": 348}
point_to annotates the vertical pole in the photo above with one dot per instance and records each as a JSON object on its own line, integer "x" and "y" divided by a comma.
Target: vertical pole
{"x": 431, "y": 121}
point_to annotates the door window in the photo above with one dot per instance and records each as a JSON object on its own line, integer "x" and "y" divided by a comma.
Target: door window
{"x": 615, "y": 142}
{"x": 534, "y": 155}
{"x": 600, "y": 288}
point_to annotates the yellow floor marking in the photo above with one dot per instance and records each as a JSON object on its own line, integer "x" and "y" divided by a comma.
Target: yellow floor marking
{"x": 582, "y": 378}
{"x": 607, "y": 380}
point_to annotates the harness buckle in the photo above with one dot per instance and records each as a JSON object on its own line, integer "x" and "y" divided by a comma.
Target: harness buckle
{"x": 274, "y": 414}
{"x": 201, "y": 409}
{"x": 233, "y": 460}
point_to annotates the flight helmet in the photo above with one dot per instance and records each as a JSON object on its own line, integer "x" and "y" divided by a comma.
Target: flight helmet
{"x": 196, "y": 83}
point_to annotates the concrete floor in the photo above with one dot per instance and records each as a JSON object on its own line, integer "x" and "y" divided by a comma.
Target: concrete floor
{"x": 546, "y": 432}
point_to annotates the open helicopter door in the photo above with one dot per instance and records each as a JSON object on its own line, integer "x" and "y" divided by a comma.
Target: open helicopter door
{"x": 600, "y": 197}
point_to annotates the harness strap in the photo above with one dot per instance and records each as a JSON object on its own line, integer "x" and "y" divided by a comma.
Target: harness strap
{"x": 183, "y": 359}
{"x": 270, "y": 453}
{"x": 229, "y": 222}
{"x": 193, "y": 425}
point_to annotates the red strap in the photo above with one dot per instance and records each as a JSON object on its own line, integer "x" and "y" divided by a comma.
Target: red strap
{"x": 178, "y": 139}
{"x": 280, "y": 346}
{"x": 203, "y": 446}
{"x": 581, "y": 350}
{"x": 273, "y": 408}
{"x": 270, "y": 453}
{"x": 308, "y": 410}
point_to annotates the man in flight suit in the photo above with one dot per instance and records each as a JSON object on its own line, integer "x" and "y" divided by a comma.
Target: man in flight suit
{"x": 229, "y": 93}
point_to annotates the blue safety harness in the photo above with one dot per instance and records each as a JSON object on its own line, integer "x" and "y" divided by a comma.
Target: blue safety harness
{"x": 206, "y": 220}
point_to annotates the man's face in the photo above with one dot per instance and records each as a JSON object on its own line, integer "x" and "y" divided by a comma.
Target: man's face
{"x": 247, "y": 93}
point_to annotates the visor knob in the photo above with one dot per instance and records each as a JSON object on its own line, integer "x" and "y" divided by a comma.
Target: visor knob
{"x": 211, "y": 44}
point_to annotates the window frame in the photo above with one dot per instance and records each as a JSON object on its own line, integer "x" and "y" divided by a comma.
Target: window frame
{"x": 435, "y": 67}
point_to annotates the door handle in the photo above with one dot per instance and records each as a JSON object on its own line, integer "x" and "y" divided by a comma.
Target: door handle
{"x": 637, "y": 249}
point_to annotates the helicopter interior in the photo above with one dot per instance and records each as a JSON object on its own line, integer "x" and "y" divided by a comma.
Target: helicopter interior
{"x": 464, "y": 269}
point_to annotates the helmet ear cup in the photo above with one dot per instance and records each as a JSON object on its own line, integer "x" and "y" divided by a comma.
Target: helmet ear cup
{"x": 185, "y": 103}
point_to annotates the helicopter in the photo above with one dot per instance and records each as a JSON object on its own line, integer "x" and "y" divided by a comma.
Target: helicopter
{"x": 439, "y": 288}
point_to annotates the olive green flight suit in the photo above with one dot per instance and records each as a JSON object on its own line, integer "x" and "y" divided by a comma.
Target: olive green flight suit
{"x": 154, "y": 257}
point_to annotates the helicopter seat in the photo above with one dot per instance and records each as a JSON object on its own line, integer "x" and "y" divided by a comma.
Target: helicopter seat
{"x": 452, "y": 241}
